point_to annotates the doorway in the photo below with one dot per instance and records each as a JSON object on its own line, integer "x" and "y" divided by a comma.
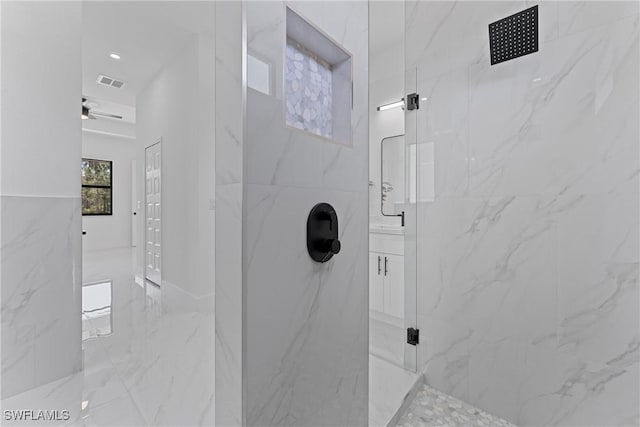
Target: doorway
{"x": 394, "y": 341}
{"x": 153, "y": 216}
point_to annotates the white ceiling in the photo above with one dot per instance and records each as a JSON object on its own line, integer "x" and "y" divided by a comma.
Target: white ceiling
{"x": 146, "y": 34}
{"x": 386, "y": 24}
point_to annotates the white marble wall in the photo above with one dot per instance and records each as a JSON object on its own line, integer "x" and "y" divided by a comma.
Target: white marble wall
{"x": 306, "y": 323}
{"x": 40, "y": 290}
{"x": 228, "y": 245}
{"x": 528, "y": 280}
{"x": 40, "y": 220}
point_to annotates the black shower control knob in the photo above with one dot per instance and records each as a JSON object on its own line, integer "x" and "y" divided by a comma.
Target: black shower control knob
{"x": 336, "y": 246}
{"x": 331, "y": 245}
{"x": 322, "y": 233}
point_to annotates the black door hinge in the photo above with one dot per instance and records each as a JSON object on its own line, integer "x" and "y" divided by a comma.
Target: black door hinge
{"x": 413, "y": 336}
{"x": 413, "y": 101}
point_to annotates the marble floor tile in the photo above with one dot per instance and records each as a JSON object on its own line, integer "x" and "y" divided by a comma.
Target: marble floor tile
{"x": 157, "y": 368}
{"x": 388, "y": 386}
{"x": 153, "y": 367}
{"x": 386, "y": 341}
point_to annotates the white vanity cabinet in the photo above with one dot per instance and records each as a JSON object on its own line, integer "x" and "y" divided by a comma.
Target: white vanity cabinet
{"x": 386, "y": 271}
{"x": 376, "y": 282}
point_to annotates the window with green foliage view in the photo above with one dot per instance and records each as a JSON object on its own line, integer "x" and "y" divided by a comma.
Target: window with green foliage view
{"x": 96, "y": 187}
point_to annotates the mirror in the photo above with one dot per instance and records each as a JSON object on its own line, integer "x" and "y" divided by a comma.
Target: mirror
{"x": 393, "y": 172}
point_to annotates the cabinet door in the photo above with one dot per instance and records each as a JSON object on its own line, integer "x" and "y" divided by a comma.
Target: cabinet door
{"x": 376, "y": 286}
{"x": 394, "y": 286}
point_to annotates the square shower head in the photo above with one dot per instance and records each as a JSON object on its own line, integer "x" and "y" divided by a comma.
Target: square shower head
{"x": 514, "y": 36}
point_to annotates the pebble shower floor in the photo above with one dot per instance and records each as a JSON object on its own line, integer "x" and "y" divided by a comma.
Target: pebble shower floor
{"x": 433, "y": 408}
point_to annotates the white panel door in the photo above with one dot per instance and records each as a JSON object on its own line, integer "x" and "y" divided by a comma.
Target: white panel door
{"x": 134, "y": 205}
{"x": 153, "y": 213}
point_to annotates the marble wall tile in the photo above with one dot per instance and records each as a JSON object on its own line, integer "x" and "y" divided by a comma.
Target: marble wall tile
{"x": 306, "y": 341}
{"x": 445, "y": 355}
{"x": 600, "y": 285}
{"x": 229, "y": 154}
{"x": 495, "y": 371}
{"x": 528, "y": 256}
{"x": 228, "y": 92}
{"x": 455, "y": 35}
{"x": 446, "y": 125}
{"x": 482, "y": 254}
{"x": 343, "y": 167}
{"x": 285, "y": 157}
{"x": 526, "y": 112}
{"x": 229, "y": 309}
{"x": 325, "y": 315}
{"x": 575, "y": 16}
{"x": 41, "y": 279}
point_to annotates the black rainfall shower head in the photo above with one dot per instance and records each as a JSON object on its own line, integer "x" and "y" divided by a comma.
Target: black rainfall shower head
{"x": 514, "y": 36}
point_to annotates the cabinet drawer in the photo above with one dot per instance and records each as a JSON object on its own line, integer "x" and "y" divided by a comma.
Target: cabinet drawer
{"x": 386, "y": 244}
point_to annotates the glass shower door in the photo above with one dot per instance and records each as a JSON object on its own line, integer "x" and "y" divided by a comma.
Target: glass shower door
{"x": 392, "y": 256}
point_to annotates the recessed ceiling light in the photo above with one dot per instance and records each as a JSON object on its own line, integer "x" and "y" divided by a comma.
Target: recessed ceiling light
{"x": 115, "y": 56}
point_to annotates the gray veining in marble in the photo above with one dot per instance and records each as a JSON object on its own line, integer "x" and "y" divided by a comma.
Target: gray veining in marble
{"x": 306, "y": 323}
{"x": 154, "y": 368}
{"x": 528, "y": 269}
{"x": 228, "y": 218}
{"x": 40, "y": 256}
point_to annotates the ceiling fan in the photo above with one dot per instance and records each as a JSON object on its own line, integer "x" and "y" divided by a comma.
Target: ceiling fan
{"x": 88, "y": 111}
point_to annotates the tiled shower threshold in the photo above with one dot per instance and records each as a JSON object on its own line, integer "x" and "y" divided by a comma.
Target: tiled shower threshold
{"x": 431, "y": 407}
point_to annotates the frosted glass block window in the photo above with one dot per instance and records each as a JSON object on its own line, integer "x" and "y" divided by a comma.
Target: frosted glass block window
{"x": 317, "y": 88}
{"x": 308, "y": 91}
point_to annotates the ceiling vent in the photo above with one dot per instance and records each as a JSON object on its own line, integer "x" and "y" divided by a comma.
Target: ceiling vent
{"x": 110, "y": 81}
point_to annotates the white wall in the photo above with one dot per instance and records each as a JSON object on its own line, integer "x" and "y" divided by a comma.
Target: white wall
{"x": 111, "y": 231}
{"x": 177, "y": 108}
{"x": 387, "y": 85}
{"x": 40, "y": 146}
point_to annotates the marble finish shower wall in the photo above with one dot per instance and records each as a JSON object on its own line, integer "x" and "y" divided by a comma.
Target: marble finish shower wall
{"x": 306, "y": 323}
{"x": 40, "y": 217}
{"x": 228, "y": 230}
{"x": 528, "y": 279}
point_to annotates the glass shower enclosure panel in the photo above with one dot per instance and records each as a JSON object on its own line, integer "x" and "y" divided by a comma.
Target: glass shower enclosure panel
{"x": 394, "y": 335}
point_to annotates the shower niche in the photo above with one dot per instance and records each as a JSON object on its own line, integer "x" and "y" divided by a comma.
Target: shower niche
{"x": 317, "y": 82}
